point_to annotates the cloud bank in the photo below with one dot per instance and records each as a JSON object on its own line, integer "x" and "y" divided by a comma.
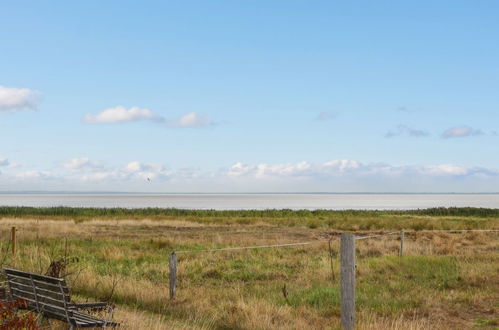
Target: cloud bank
{"x": 339, "y": 175}
{"x": 335, "y": 168}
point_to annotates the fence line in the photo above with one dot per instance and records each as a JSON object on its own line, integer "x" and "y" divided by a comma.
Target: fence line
{"x": 373, "y": 236}
{"x": 323, "y": 241}
{"x": 349, "y": 310}
{"x": 433, "y": 231}
{"x": 333, "y": 238}
{"x": 252, "y": 247}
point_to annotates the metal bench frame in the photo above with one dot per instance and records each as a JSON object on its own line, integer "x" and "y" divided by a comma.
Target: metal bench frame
{"x": 49, "y": 296}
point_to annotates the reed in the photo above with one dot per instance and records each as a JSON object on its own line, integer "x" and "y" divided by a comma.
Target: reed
{"x": 16, "y": 211}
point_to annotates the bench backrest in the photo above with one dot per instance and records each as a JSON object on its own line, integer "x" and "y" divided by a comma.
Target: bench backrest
{"x": 44, "y": 294}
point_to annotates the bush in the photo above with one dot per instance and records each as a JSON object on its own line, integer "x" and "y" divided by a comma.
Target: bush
{"x": 11, "y": 317}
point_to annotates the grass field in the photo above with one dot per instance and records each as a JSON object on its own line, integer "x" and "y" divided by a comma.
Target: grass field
{"x": 444, "y": 281}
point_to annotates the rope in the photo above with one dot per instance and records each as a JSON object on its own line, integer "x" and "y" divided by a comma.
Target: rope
{"x": 249, "y": 247}
{"x": 373, "y": 236}
{"x": 323, "y": 241}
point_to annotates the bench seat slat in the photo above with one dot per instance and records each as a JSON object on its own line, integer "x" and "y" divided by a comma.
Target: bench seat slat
{"x": 48, "y": 311}
{"x": 82, "y": 316}
{"x": 55, "y": 314}
{"x": 47, "y": 279}
{"x": 42, "y": 300}
{"x": 42, "y": 306}
{"x": 85, "y": 318}
{"x": 48, "y": 293}
{"x": 82, "y": 320}
{"x": 27, "y": 280}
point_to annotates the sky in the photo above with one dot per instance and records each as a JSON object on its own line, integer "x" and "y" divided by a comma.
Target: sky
{"x": 249, "y": 96}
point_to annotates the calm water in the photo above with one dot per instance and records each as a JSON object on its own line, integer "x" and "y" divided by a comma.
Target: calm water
{"x": 254, "y": 201}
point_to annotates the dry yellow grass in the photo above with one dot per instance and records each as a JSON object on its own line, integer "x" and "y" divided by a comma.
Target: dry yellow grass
{"x": 445, "y": 280}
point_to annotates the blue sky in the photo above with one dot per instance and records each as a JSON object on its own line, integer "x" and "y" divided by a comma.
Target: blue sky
{"x": 236, "y": 96}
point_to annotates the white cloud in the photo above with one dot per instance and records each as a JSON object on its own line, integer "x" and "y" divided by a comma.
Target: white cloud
{"x": 4, "y": 161}
{"x": 334, "y": 175}
{"x": 191, "y": 120}
{"x": 104, "y": 175}
{"x": 462, "y": 131}
{"x": 406, "y": 130}
{"x": 267, "y": 170}
{"x": 147, "y": 170}
{"x": 133, "y": 170}
{"x": 133, "y": 167}
{"x": 119, "y": 114}
{"x": 35, "y": 175}
{"x": 352, "y": 168}
{"x": 446, "y": 169}
{"x": 82, "y": 164}
{"x": 341, "y": 165}
{"x": 301, "y": 169}
{"x": 18, "y": 99}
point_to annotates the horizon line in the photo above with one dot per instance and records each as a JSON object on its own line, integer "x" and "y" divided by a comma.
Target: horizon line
{"x": 70, "y": 192}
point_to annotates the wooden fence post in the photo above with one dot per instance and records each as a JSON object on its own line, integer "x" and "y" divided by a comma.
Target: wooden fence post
{"x": 401, "y": 252}
{"x": 347, "y": 251}
{"x": 173, "y": 274}
{"x": 13, "y": 240}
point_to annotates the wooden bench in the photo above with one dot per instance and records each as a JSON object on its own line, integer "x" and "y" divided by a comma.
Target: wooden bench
{"x": 49, "y": 296}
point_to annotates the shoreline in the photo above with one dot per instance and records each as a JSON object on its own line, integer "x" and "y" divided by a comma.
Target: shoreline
{"x": 169, "y": 211}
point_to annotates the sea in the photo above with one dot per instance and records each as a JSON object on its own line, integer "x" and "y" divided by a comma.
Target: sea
{"x": 309, "y": 201}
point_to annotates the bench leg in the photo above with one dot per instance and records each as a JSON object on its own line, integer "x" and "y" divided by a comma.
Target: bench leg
{"x": 39, "y": 322}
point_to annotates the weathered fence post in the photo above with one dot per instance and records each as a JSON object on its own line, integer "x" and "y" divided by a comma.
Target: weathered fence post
{"x": 347, "y": 251}
{"x": 13, "y": 240}
{"x": 401, "y": 252}
{"x": 173, "y": 274}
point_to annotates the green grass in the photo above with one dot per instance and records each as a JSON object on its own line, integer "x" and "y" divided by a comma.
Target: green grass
{"x": 449, "y": 273}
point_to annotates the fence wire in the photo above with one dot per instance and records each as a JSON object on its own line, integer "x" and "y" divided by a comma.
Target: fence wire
{"x": 332, "y": 239}
{"x": 252, "y": 247}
